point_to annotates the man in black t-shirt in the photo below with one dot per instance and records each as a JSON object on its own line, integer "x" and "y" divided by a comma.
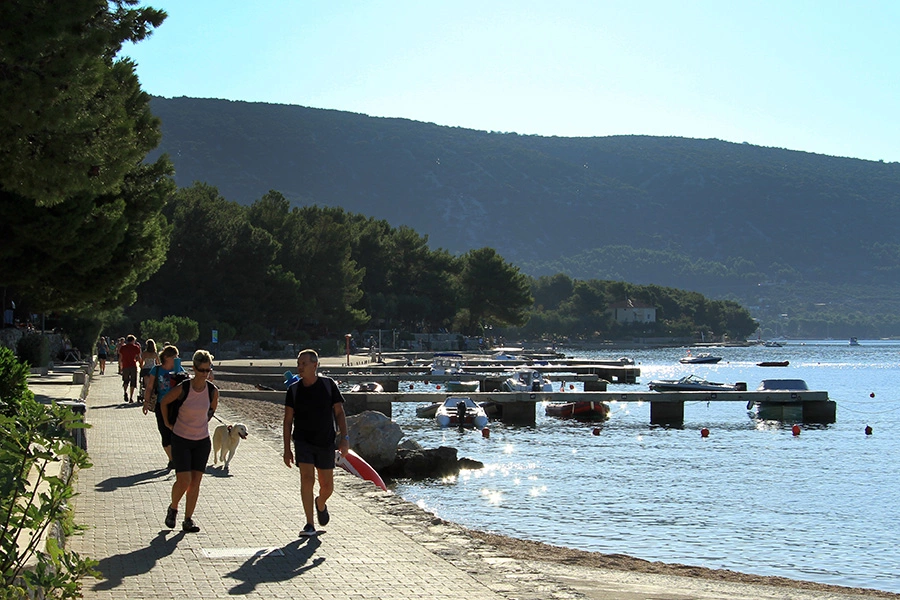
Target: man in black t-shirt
{"x": 312, "y": 407}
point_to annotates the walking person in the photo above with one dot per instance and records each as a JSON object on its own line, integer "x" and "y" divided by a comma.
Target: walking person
{"x": 198, "y": 399}
{"x": 163, "y": 377}
{"x": 102, "y": 352}
{"x": 312, "y": 406}
{"x": 149, "y": 359}
{"x": 129, "y": 361}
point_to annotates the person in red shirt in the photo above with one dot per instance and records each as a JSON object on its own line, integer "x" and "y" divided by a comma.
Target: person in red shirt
{"x": 129, "y": 361}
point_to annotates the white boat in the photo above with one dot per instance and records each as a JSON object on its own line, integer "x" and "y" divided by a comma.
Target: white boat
{"x": 854, "y": 341}
{"x": 526, "y": 380}
{"x": 367, "y": 387}
{"x": 692, "y": 383}
{"x": 507, "y": 353}
{"x": 462, "y": 386}
{"x": 788, "y": 409}
{"x": 699, "y": 359}
{"x": 447, "y": 363}
{"x": 458, "y": 411}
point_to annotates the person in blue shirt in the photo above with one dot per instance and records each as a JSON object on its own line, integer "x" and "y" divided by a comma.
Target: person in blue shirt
{"x": 164, "y": 376}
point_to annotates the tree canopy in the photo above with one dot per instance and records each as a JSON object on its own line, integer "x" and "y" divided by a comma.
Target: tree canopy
{"x": 79, "y": 210}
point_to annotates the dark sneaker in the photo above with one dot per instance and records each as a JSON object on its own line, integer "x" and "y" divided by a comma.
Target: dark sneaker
{"x": 308, "y": 530}
{"x": 171, "y": 513}
{"x": 322, "y": 515}
{"x": 125, "y": 397}
{"x": 189, "y": 526}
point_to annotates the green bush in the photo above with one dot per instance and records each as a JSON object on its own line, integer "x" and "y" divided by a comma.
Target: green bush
{"x": 32, "y": 438}
{"x": 34, "y": 349}
{"x": 13, "y": 381}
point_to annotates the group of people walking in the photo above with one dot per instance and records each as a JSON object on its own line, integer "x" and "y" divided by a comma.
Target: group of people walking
{"x": 183, "y": 407}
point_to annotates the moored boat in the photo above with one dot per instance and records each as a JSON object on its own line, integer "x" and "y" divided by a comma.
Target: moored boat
{"x": 581, "y": 409}
{"x": 699, "y": 359}
{"x": 447, "y": 363}
{"x": 367, "y": 387}
{"x": 773, "y": 363}
{"x": 527, "y": 380}
{"x": 692, "y": 383}
{"x": 789, "y": 409}
{"x": 457, "y": 411}
{"x": 462, "y": 386}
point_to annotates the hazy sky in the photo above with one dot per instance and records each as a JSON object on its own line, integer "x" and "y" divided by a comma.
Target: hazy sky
{"x": 821, "y": 75}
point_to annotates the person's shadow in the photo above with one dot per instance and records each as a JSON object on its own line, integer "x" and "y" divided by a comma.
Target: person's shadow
{"x": 270, "y": 568}
{"x": 114, "y": 483}
{"x": 117, "y": 567}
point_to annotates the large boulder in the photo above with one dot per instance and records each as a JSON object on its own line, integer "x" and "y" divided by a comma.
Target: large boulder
{"x": 374, "y": 437}
{"x": 426, "y": 463}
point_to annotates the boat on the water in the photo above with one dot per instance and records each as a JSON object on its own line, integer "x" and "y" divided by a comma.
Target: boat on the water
{"x": 427, "y": 411}
{"x": 462, "y": 386}
{"x": 773, "y": 363}
{"x": 367, "y": 387}
{"x": 458, "y": 411}
{"x": 447, "y": 363}
{"x": 789, "y": 409}
{"x": 582, "y": 409}
{"x": 526, "y": 380}
{"x": 700, "y": 359}
{"x": 692, "y": 383}
{"x": 854, "y": 341}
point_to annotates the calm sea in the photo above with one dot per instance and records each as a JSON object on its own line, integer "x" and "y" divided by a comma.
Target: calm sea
{"x": 752, "y": 497}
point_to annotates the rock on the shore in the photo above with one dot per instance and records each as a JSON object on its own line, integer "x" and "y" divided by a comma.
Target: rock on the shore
{"x": 374, "y": 437}
{"x": 422, "y": 463}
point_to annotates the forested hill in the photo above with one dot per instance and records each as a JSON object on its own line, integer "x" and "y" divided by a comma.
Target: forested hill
{"x": 769, "y": 227}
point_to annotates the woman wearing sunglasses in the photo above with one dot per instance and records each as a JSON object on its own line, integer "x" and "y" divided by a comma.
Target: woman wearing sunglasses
{"x": 197, "y": 400}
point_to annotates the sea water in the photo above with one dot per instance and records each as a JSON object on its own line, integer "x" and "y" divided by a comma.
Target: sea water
{"x": 751, "y": 497}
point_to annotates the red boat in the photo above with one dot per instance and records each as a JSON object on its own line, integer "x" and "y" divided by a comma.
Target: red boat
{"x": 581, "y": 409}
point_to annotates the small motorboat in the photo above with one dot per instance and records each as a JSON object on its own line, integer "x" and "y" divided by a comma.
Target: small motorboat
{"x": 773, "y": 363}
{"x": 462, "y": 386}
{"x": 581, "y": 409}
{"x": 526, "y": 380}
{"x": 704, "y": 358}
{"x": 447, "y": 363}
{"x": 457, "y": 411}
{"x": 427, "y": 411}
{"x": 789, "y": 408}
{"x": 692, "y": 383}
{"x": 367, "y": 387}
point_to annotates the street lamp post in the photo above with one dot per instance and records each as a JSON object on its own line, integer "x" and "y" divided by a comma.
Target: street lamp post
{"x": 347, "y": 339}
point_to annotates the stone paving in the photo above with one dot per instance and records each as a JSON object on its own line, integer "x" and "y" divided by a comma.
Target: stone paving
{"x": 249, "y": 517}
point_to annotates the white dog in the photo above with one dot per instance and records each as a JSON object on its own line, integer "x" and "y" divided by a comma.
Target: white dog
{"x": 225, "y": 441}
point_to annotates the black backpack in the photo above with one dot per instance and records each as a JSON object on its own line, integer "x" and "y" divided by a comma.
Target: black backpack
{"x": 185, "y": 388}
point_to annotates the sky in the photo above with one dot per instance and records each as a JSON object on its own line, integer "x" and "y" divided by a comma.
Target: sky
{"x": 819, "y": 76}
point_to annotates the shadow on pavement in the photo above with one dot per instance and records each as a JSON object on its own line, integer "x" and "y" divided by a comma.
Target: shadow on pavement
{"x": 116, "y": 568}
{"x": 114, "y": 483}
{"x": 272, "y": 569}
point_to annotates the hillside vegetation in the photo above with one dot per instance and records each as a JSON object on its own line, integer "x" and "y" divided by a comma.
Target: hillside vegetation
{"x": 786, "y": 233}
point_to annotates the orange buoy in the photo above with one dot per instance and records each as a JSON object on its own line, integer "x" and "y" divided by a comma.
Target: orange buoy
{"x": 426, "y": 382}
{"x": 596, "y": 431}
{"x": 485, "y": 433}
{"x": 437, "y": 387}
{"x": 410, "y": 386}
{"x": 571, "y": 386}
{"x": 704, "y": 432}
{"x": 795, "y": 430}
{"x": 872, "y": 395}
{"x": 868, "y": 430}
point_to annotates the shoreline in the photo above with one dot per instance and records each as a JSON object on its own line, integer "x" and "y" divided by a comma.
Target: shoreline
{"x": 591, "y": 575}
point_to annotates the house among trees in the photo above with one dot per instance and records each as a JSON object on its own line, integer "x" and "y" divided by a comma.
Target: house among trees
{"x": 632, "y": 311}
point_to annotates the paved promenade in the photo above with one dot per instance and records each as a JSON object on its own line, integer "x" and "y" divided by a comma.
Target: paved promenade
{"x": 250, "y": 519}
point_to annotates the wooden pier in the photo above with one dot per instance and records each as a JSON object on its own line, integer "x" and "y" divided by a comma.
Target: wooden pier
{"x": 666, "y": 408}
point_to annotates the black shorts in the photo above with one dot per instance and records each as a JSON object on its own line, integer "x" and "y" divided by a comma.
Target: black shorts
{"x": 164, "y": 432}
{"x": 129, "y": 376}
{"x": 322, "y": 458}
{"x": 190, "y": 455}
{"x": 101, "y": 356}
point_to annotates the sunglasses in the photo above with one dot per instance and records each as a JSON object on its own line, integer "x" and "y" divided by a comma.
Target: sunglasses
{"x": 199, "y": 370}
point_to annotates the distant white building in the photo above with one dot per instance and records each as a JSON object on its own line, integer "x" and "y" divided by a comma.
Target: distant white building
{"x": 632, "y": 311}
